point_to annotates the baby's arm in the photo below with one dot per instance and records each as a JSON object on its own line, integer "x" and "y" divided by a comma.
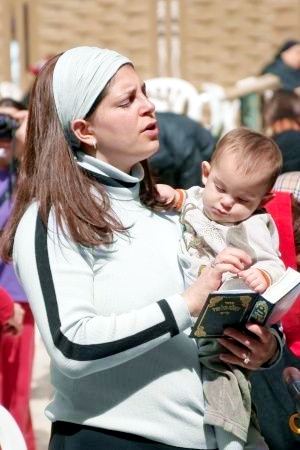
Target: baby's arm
{"x": 256, "y": 279}
{"x": 263, "y": 236}
{"x": 168, "y": 194}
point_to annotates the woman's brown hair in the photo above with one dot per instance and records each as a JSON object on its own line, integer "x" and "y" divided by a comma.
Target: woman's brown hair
{"x": 50, "y": 176}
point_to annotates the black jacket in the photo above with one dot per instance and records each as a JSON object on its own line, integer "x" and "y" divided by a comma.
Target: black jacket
{"x": 289, "y": 144}
{"x": 184, "y": 144}
{"x": 289, "y": 77}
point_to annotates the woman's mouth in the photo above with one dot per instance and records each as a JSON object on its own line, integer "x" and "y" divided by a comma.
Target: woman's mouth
{"x": 152, "y": 130}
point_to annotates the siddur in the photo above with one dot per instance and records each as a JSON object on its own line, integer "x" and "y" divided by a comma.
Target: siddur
{"x": 236, "y": 307}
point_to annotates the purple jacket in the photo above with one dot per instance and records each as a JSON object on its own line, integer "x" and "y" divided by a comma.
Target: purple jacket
{"x": 8, "y": 278}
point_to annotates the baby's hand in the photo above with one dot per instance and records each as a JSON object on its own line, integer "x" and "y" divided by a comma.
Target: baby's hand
{"x": 255, "y": 279}
{"x": 167, "y": 194}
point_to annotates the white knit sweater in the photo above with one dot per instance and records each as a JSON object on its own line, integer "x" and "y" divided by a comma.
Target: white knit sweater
{"x": 114, "y": 323}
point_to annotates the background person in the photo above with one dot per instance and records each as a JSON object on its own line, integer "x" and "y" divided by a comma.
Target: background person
{"x": 281, "y": 114}
{"x": 289, "y": 182}
{"x": 16, "y": 350}
{"x": 273, "y": 402}
{"x": 286, "y": 65}
{"x": 11, "y": 314}
{"x": 97, "y": 255}
{"x": 183, "y": 145}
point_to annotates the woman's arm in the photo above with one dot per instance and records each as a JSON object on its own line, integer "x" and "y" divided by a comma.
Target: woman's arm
{"x": 91, "y": 322}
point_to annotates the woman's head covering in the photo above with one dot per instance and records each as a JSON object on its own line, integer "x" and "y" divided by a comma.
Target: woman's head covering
{"x": 79, "y": 76}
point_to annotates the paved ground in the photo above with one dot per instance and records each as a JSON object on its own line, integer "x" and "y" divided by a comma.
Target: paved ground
{"x": 41, "y": 393}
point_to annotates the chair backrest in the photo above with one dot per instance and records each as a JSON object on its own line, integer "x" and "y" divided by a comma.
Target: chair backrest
{"x": 213, "y": 111}
{"x": 11, "y": 437}
{"x": 171, "y": 94}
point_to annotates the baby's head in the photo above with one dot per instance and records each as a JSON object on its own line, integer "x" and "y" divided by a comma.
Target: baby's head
{"x": 240, "y": 176}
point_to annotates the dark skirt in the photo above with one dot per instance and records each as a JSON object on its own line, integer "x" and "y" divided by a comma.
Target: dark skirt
{"x": 71, "y": 436}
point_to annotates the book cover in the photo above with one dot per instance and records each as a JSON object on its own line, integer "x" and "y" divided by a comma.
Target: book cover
{"x": 236, "y": 307}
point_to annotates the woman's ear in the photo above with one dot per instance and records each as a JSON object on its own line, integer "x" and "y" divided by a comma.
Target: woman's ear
{"x": 205, "y": 171}
{"x": 81, "y": 129}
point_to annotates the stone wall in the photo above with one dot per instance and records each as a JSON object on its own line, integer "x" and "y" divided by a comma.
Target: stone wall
{"x": 199, "y": 40}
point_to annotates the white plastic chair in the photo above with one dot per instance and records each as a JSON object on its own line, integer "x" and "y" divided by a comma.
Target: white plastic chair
{"x": 207, "y": 110}
{"x": 11, "y": 437}
{"x": 171, "y": 94}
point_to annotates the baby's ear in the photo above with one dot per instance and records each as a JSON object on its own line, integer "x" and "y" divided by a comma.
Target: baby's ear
{"x": 266, "y": 198}
{"x": 205, "y": 170}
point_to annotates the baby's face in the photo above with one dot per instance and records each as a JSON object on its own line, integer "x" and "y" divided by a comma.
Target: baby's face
{"x": 231, "y": 196}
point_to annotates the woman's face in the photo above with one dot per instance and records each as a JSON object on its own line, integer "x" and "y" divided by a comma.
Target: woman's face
{"x": 124, "y": 123}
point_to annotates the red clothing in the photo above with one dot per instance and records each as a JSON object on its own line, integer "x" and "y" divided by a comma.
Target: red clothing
{"x": 281, "y": 209}
{"x": 6, "y": 306}
{"x": 16, "y": 360}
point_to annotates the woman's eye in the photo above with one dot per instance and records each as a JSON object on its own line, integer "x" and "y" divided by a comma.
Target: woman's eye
{"x": 144, "y": 90}
{"x": 127, "y": 102}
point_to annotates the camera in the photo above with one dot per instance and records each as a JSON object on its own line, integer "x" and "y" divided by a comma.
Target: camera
{"x": 8, "y": 126}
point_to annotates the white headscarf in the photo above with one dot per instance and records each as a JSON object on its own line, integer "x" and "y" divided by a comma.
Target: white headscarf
{"x": 79, "y": 76}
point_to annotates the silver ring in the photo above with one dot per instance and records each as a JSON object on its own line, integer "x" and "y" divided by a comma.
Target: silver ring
{"x": 213, "y": 263}
{"x": 246, "y": 360}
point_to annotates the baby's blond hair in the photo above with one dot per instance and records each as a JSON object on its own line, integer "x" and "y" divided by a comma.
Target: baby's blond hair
{"x": 251, "y": 152}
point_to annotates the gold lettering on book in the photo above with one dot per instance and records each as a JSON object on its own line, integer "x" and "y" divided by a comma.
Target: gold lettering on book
{"x": 260, "y": 311}
{"x": 200, "y": 332}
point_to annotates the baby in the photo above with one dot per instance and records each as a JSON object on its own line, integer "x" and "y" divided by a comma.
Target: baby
{"x": 228, "y": 211}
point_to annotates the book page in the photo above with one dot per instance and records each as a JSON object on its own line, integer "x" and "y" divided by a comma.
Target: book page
{"x": 280, "y": 288}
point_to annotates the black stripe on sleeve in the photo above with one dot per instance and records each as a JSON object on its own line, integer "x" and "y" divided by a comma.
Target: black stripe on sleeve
{"x": 88, "y": 352}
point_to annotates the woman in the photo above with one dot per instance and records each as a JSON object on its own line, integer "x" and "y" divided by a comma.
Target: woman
{"x": 97, "y": 256}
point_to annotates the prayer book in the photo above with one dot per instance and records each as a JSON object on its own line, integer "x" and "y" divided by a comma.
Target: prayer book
{"x": 236, "y": 307}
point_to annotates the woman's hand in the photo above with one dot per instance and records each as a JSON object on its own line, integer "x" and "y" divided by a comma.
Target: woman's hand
{"x": 251, "y": 350}
{"x": 228, "y": 260}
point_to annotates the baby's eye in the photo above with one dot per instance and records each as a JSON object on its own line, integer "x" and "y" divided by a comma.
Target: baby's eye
{"x": 219, "y": 188}
{"x": 242, "y": 200}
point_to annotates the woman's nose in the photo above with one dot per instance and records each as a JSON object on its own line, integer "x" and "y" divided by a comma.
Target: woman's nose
{"x": 148, "y": 105}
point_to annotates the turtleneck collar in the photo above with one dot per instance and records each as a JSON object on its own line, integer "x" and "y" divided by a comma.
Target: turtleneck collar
{"x": 118, "y": 183}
